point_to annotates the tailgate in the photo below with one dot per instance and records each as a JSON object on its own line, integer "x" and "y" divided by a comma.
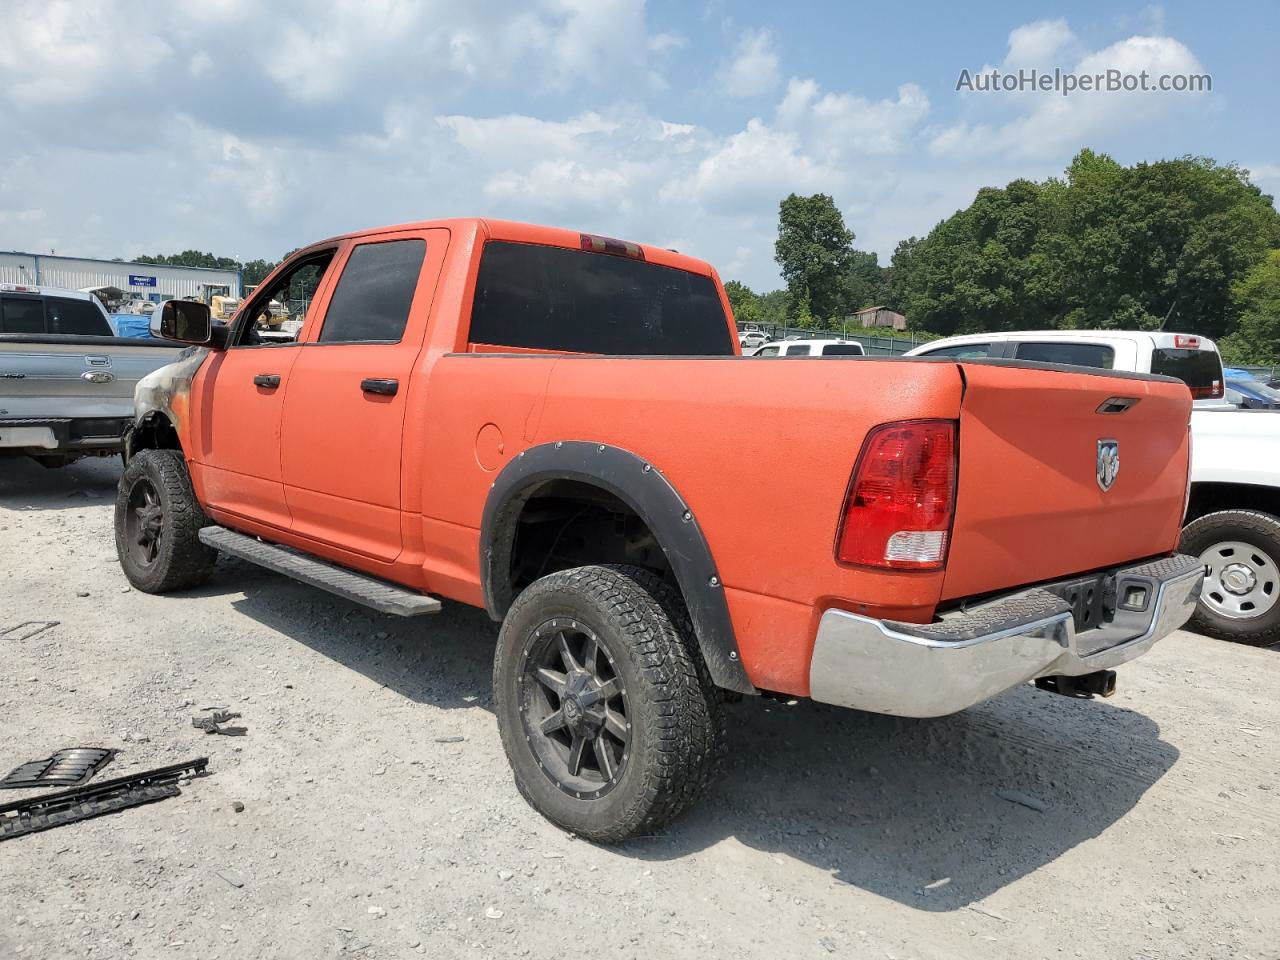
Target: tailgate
{"x": 1029, "y": 503}
{"x": 75, "y": 377}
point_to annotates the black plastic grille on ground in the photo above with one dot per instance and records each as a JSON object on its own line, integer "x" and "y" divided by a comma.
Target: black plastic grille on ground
{"x": 95, "y": 799}
{"x": 66, "y": 768}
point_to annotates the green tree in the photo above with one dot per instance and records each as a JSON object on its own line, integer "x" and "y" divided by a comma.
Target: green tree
{"x": 1256, "y": 338}
{"x": 1107, "y": 246}
{"x": 864, "y": 282}
{"x": 814, "y": 249}
{"x": 255, "y": 271}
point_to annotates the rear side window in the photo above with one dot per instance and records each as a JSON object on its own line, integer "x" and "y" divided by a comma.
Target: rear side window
{"x": 1201, "y": 370}
{"x": 75, "y": 318}
{"x": 963, "y": 351}
{"x": 554, "y": 298}
{"x": 842, "y": 350}
{"x": 798, "y": 350}
{"x": 1072, "y": 354}
{"x": 374, "y": 293}
{"x": 21, "y": 315}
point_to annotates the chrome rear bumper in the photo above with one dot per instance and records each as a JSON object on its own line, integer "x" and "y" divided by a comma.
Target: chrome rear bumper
{"x": 930, "y": 670}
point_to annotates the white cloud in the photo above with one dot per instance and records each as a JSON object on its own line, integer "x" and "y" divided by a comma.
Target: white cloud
{"x": 754, "y": 68}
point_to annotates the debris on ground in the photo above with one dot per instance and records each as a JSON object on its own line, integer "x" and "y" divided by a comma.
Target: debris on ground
{"x": 94, "y": 800}
{"x": 1023, "y": 800}
{"x": 65, "y": 768}
{"x": 214, "y": 723}
{"x": 28, "y": 629}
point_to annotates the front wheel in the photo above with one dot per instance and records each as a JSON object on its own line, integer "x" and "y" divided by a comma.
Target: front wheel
{"x": 1240, "y": 550}
{"x": 158, "y": 521}
{"x": 607, "y": 714}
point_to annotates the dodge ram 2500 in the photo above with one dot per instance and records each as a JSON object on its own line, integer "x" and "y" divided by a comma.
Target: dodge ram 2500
{"x": 559, "y": 427}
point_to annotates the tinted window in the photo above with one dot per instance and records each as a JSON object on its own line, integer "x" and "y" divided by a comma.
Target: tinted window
{"x": 1201, "y": 370}
{"x": 21, "y": 315}
{"x": 75, "y": 318}
{"x": 798, "y": 350}
{"x": 767, "y": 352}
{"x": 963, "y": 351}
{"x": 1075, "y": 354}
{"x": 554, "y": 298}
{"x": 842, "y": 350}
{"x": 374, "y": 293}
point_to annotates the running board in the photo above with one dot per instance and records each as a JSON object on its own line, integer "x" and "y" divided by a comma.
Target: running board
{"x": 379, "y": 594}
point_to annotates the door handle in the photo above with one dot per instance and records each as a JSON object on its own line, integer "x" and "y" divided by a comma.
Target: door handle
{"x": 386, "y": 388}
{"x": 268, "y": 380}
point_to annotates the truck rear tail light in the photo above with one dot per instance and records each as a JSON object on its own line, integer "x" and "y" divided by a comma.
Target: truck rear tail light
{"x": 898, "y": 511}
{"x": 1181, "y": 341}
{"x": 1211, "y": 392}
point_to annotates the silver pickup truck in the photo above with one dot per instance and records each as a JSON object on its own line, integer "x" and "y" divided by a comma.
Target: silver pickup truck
{"x": 66, "y": 382}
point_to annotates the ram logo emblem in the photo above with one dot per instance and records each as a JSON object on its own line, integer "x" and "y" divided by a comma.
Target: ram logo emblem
{"x": 1108, "y": 463}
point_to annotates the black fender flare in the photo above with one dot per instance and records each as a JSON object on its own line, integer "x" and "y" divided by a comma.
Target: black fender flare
{"x": 645, "y": 489}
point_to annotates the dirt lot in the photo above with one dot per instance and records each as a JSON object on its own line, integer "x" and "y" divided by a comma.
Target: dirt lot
{"x": 380, "y": 821}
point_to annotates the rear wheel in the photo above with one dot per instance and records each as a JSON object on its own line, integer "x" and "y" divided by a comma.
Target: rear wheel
{"x": 608, "y": 717}
{"x": 1240, "y": 550}
{"x": 157, "y": 524}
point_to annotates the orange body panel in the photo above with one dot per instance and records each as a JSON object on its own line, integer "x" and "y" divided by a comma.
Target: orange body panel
{"x": 761, "y": 451}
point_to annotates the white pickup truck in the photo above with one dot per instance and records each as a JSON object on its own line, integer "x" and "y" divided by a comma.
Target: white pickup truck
{"x": 1233, "y": 514}
{"x": 66, "y": 381}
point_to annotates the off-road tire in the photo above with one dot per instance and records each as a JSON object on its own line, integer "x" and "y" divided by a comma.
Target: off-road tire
{"x": 674, "y": 710}
{"x": 1247, "y": 526}
{"x": 181, "y": 560}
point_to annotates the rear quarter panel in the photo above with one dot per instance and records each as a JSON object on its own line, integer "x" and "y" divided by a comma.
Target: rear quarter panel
{"x": 761, "y": 452}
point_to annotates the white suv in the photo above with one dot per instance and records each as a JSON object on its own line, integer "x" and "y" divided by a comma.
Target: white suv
{"x": 811, "y": 348}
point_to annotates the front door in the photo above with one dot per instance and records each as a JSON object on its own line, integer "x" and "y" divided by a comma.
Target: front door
{"x": 238, "y": 396}
{"x": 344, "y": 411}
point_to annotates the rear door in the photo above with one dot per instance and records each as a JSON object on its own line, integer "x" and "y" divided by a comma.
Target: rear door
{"x": 1032, "y": 502}
{"x": 344, "y": 413}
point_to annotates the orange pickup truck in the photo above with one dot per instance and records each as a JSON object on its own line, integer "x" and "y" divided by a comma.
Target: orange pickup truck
{"x": 559, "y": 427}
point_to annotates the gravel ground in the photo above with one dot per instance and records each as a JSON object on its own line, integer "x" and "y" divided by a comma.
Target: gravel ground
{"x": 379, "y": 819}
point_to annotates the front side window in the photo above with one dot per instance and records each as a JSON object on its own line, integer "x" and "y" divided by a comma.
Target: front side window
{"x": 277, "y": 314}
{"x": 962, "y": 351}
{"x": 374, "y": 293}
{"x": 75, "y": 318}
{"x": 21, "y": 315}
{"x": 1073, "y": 354}
{"x": 767, "y": 352}
{"x": 575, "y": 301}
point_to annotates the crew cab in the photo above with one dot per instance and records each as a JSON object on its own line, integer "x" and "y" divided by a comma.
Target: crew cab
{"x": 66, "y": 380}
{"x": 559, "y": 427}
{"x": 1233, "y": 511}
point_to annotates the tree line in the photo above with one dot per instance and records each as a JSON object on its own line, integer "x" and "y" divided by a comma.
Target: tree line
{"x": 252, "y": 272}
{"x": 1187, "y": 245}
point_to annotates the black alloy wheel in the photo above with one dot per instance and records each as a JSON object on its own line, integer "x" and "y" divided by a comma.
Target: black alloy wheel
{"x": 574, "y": 707}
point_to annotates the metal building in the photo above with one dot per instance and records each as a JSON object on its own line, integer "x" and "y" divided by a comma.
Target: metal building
{"x": 137, "y": 281}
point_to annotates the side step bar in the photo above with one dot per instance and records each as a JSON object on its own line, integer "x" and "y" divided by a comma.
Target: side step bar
{"x": 379, "y": 594}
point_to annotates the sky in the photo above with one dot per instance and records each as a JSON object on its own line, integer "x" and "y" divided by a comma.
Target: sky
{"x": 248, "y": 129}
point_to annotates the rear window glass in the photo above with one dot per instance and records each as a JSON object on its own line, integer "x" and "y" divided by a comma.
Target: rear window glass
{"x": 75, "y": 318}
{"x": 555, "y": 298}
{"x": 1201, "y": 370}
{"x": 1073, "y": 354}
{"x": 842, "y": 350}
{"x": 21, "y": 315}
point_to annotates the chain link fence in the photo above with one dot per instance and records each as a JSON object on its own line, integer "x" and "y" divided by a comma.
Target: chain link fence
{"x": 876, "y": 345}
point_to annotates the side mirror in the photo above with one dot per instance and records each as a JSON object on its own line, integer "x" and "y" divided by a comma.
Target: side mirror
{"x": 183, "y": 320}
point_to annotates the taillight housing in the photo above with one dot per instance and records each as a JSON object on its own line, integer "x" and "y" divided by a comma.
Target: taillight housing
{"x": 897, "y": 514}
